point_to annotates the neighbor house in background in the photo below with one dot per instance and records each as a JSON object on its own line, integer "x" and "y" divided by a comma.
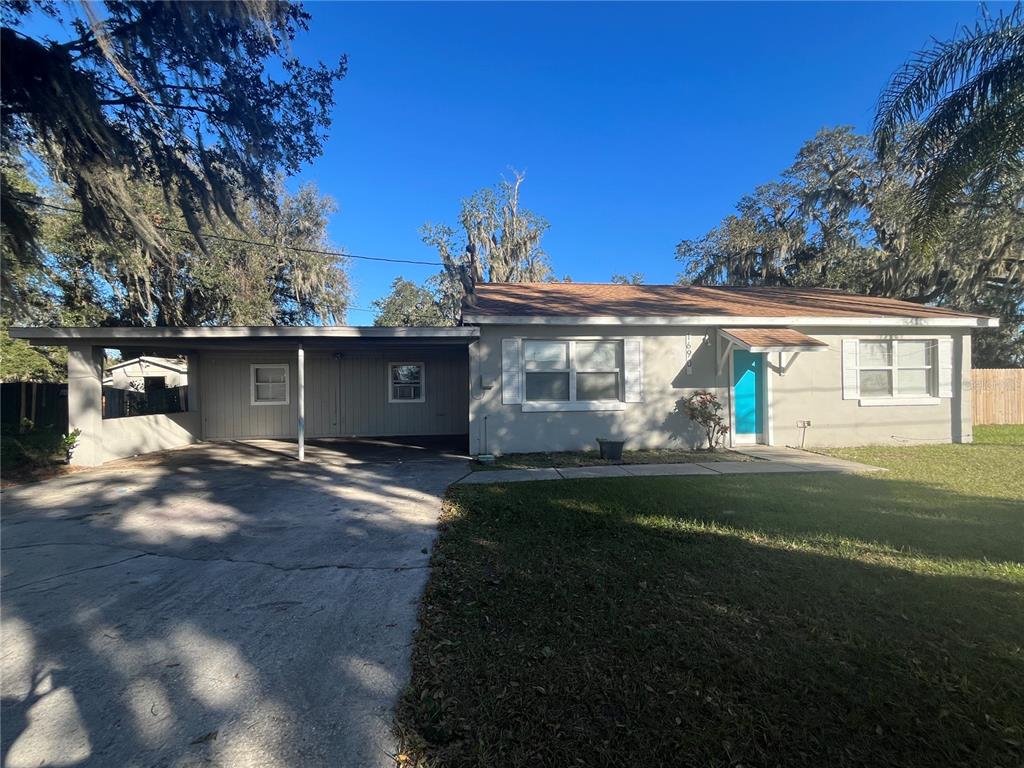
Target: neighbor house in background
{"x": 132, "y": 374}
{"x": 552, "y": 366}
{"x": 145, "y": 386}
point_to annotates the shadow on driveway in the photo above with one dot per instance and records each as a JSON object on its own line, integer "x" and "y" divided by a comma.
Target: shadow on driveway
{"x": 219, "y": 604}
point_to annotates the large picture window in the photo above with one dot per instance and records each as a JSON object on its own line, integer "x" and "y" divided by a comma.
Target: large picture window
{"x": 897, "y": 368}
{"x": 405, "y": 383}
{"x": 570, "y": 371}
{"x": 269, "y": 384}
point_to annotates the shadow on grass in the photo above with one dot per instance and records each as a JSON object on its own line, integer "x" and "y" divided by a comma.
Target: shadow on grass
{"x": 673, "y": 621}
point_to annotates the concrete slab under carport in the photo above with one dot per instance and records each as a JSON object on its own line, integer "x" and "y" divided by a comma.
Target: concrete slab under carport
{"x": 345, "y": 451}
{"x": 218, "y": 604}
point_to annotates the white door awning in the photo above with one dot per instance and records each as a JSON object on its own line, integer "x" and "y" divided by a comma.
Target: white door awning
{"x": 780, "y": 340}
{"x": 772, "y": 340}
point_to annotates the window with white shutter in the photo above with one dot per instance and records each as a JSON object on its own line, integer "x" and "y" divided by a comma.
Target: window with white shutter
{"x": 877, "y": 371}
{"x": 571, "y": 374}
{"x": 511, "y": 371}
{"x": 945, "y": 367}
{"x": 634, "y": 369}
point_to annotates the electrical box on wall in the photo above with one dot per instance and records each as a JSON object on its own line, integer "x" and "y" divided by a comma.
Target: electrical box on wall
{"x": 804, "y": 423}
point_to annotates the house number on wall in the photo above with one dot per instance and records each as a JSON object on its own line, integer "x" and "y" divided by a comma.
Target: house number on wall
{"x": 689, "y": 354}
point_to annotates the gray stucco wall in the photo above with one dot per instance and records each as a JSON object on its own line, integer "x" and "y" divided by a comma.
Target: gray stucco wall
{"x": 143, "y": 434}
{"x": 654, "y": 423}
{"x": 811, "y": 389}
{"x": 345, "y": 396}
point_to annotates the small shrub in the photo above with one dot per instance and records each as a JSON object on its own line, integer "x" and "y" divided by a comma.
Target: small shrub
{"x": 37, "y": 449}
{"x": 704, "y": 409}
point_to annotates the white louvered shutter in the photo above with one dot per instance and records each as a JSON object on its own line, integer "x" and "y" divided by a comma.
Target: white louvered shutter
{"x": 511, "y": 371}
{"x": 633, "y": 374}
{"x": 945, "y": 367}
{"x": 851, "y": 369}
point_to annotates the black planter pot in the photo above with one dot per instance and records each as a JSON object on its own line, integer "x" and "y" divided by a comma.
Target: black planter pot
{"x": 611, "y": 450}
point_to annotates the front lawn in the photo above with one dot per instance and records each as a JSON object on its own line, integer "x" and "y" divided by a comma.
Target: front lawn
{"x": 768, "y": 620}
{"x": 1007, "y": 434}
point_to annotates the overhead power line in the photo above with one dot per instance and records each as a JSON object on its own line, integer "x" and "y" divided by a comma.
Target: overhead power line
{"x": 243, "y": 241}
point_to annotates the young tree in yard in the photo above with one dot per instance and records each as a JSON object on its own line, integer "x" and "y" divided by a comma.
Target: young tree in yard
{"x": 201, "y": 100}
{"x": 961, "y": 102}
{"x": 841, "y": 218}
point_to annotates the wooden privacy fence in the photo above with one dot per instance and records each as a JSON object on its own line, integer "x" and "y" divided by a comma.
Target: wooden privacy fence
{"x": 997, "y": 395}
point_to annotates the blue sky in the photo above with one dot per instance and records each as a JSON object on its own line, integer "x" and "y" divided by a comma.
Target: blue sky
{"x": 637, "y": 125}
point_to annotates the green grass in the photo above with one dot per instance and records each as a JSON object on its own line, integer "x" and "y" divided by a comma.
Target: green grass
{"x": 593, "y": 458}
{"x": 775, "y": 620}
{"x": 1004, "y": 434}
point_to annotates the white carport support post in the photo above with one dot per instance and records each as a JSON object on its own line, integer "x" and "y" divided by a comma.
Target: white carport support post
{"x": 85, "y": 403}
{"x": 302, "y": 403}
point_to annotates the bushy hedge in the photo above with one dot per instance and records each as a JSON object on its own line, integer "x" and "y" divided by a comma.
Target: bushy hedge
{"x": 35, "y": 448}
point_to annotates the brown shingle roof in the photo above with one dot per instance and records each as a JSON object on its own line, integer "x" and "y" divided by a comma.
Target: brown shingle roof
{"x": 609, "y": 299}
{"x": 761, "y": 338}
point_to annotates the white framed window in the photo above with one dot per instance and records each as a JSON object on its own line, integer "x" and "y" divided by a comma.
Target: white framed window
{"x": 406, "y": 383}
{"x": 896, "y": 368}
{"x": 570, "y": 370}
{"x": 268, "y": 384}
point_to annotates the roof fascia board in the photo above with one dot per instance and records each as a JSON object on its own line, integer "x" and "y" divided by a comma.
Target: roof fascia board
{"x": 719, "y": 320}
{"x": 212, "y": 333}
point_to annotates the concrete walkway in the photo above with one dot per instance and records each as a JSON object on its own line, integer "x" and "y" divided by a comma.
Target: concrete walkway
{"x": 765, "y": 460}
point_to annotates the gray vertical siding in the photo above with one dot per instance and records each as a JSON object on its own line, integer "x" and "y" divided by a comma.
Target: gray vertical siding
{"x": 322, "y": 389}
{"x": 345, "y": 396}
{"x": 365, "y": 409}
{"x": 224, "y": 379}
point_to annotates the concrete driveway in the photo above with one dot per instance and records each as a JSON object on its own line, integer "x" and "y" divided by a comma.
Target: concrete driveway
{"x": 220, "y": 605}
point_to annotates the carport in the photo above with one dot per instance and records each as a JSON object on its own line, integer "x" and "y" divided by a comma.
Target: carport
{"x": 281, "y": 383}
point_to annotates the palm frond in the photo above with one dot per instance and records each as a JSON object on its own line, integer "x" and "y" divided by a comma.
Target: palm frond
{"x": 969, "y": 155}
{"x": 1002, "y": 82}
{"x": 934, "y": 74}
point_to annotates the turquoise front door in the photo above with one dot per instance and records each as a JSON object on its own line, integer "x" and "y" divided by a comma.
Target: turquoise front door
{"x": 748, "y": 395}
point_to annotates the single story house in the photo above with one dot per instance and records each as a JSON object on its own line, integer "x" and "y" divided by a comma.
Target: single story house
{"x": 552, "y": 366}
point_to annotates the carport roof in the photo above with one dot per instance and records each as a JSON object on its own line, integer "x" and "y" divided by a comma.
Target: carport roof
{"x": 264, "y": 336}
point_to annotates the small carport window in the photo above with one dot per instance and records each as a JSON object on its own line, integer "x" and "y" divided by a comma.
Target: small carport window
{"x": 406, "y": 383}
{"x": 269, "y": 384}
